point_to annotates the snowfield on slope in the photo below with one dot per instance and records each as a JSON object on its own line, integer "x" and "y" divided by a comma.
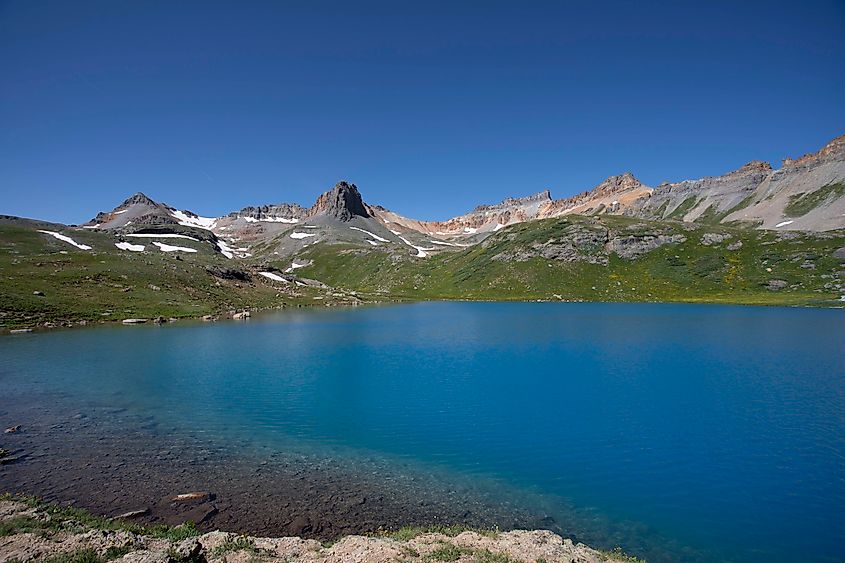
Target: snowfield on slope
{"x": 272, "y": 276}
{"x": 66, "y": 239}
{"x": 295, "y": 266}
{"x": 161, "y": 235}
{"x": 225, "y": 250}
{"x": 378, "y": 238}
{"x": 167, "y": 248}
{"x": 186, "y": 220}
{"x": 129, "y": 246}
{"x": 421, "y": 252}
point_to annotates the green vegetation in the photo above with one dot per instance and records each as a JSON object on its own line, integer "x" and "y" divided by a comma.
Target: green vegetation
{"x": 241, "y": 543}
{"x": 43, "y": 280}
{"x": 78, "y": 556}
{"x": 451, "y": 552}
{"x": 619, "y": 555}
{"x": 801, "y": 204}
{"x": 685, "y": 272}
{"x": 108, "y": 284}
{"x": 683, "y": 208}
{"x": 407, "y": 533}
{"x": 68, "y": 518}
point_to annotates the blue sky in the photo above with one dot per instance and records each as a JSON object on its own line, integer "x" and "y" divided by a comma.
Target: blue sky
{"x": 430, "y": 108}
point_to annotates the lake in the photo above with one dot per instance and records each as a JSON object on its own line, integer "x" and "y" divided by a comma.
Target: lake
{"x": 678, "y": 432}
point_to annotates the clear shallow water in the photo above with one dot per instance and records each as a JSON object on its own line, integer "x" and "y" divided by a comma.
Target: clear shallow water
{"x": 716, "y": 432}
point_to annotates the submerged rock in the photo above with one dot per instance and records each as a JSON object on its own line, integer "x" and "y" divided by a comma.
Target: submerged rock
{"x": 197, "y": 496}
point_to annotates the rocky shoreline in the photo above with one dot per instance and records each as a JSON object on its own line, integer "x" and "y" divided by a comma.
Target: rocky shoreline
{"x": 150, "y": 481}
{"x": 33, "y": 531}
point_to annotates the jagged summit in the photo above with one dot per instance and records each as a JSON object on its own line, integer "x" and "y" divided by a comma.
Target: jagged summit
{"x": 806, "y": 194}
{"x": 138, "y": 198}
{"x": 343, "y": 202}
{"x": 833, "y": 151}
{"x": 613, "y": 184}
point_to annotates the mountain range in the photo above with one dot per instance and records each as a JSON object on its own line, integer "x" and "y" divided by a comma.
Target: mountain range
{"x": 806, "y": 193}
{"x": 753, "y": 235}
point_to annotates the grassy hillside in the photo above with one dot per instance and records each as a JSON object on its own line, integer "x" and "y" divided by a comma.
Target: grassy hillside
{"x": 106, "y": 283}
{"x": 569, "y": 258}
{"x": 766, "y": 268}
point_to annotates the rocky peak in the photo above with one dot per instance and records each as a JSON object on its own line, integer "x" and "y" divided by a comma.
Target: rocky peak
{"x": 615, "y": 184}
{"x": 834, "y": 150}
{"x": 138, "y": 198}
{"x": 755, "y": 166}
{"x": 342, "y": 202}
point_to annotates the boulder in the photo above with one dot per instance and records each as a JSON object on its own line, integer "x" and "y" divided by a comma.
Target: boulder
{"x": 776, "y": 285}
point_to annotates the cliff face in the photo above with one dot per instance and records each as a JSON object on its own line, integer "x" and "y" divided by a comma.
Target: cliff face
{"x": 614, "y": 195}
{"x": 807, "y": 193}
{"x": 271, "y": 213}
{"x": 343, "y": 202}
{"x": 690, "y": 199}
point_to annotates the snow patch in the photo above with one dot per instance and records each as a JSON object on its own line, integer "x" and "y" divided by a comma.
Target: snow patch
{"x": 186, "y": 220}
{"x": 129, "y": 246}
{"x": 784, "y": 223}
{"x": 444, "y": 243}
{"x": 301, "y": 235}
{"x": 121, "y": 211}
{"x": 271, "y": 220}
{"x": 295, "y": 266}
{"x": 162, "y": 235}
{"x": 374, "y": 243}
{"x": 66, "y": 239}
{"x": 378, "y": 238}
{"x": 167, "y": 248}
{"x": 225, "y": 250}
{"x": 498, "y": 226}
{"x": 421, "y": 252}
{"x": 272, "y": 276}
{"x": 470, "y": 230}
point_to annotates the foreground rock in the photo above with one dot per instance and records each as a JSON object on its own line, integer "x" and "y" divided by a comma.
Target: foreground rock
{"x": 41, "y": 532}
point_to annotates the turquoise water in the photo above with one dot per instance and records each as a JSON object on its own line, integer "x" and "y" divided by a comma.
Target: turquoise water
{"x": 682, "y": 432}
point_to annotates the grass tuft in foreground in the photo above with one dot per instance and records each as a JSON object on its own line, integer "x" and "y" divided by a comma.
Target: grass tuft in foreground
{"x": 68, "y": 518}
